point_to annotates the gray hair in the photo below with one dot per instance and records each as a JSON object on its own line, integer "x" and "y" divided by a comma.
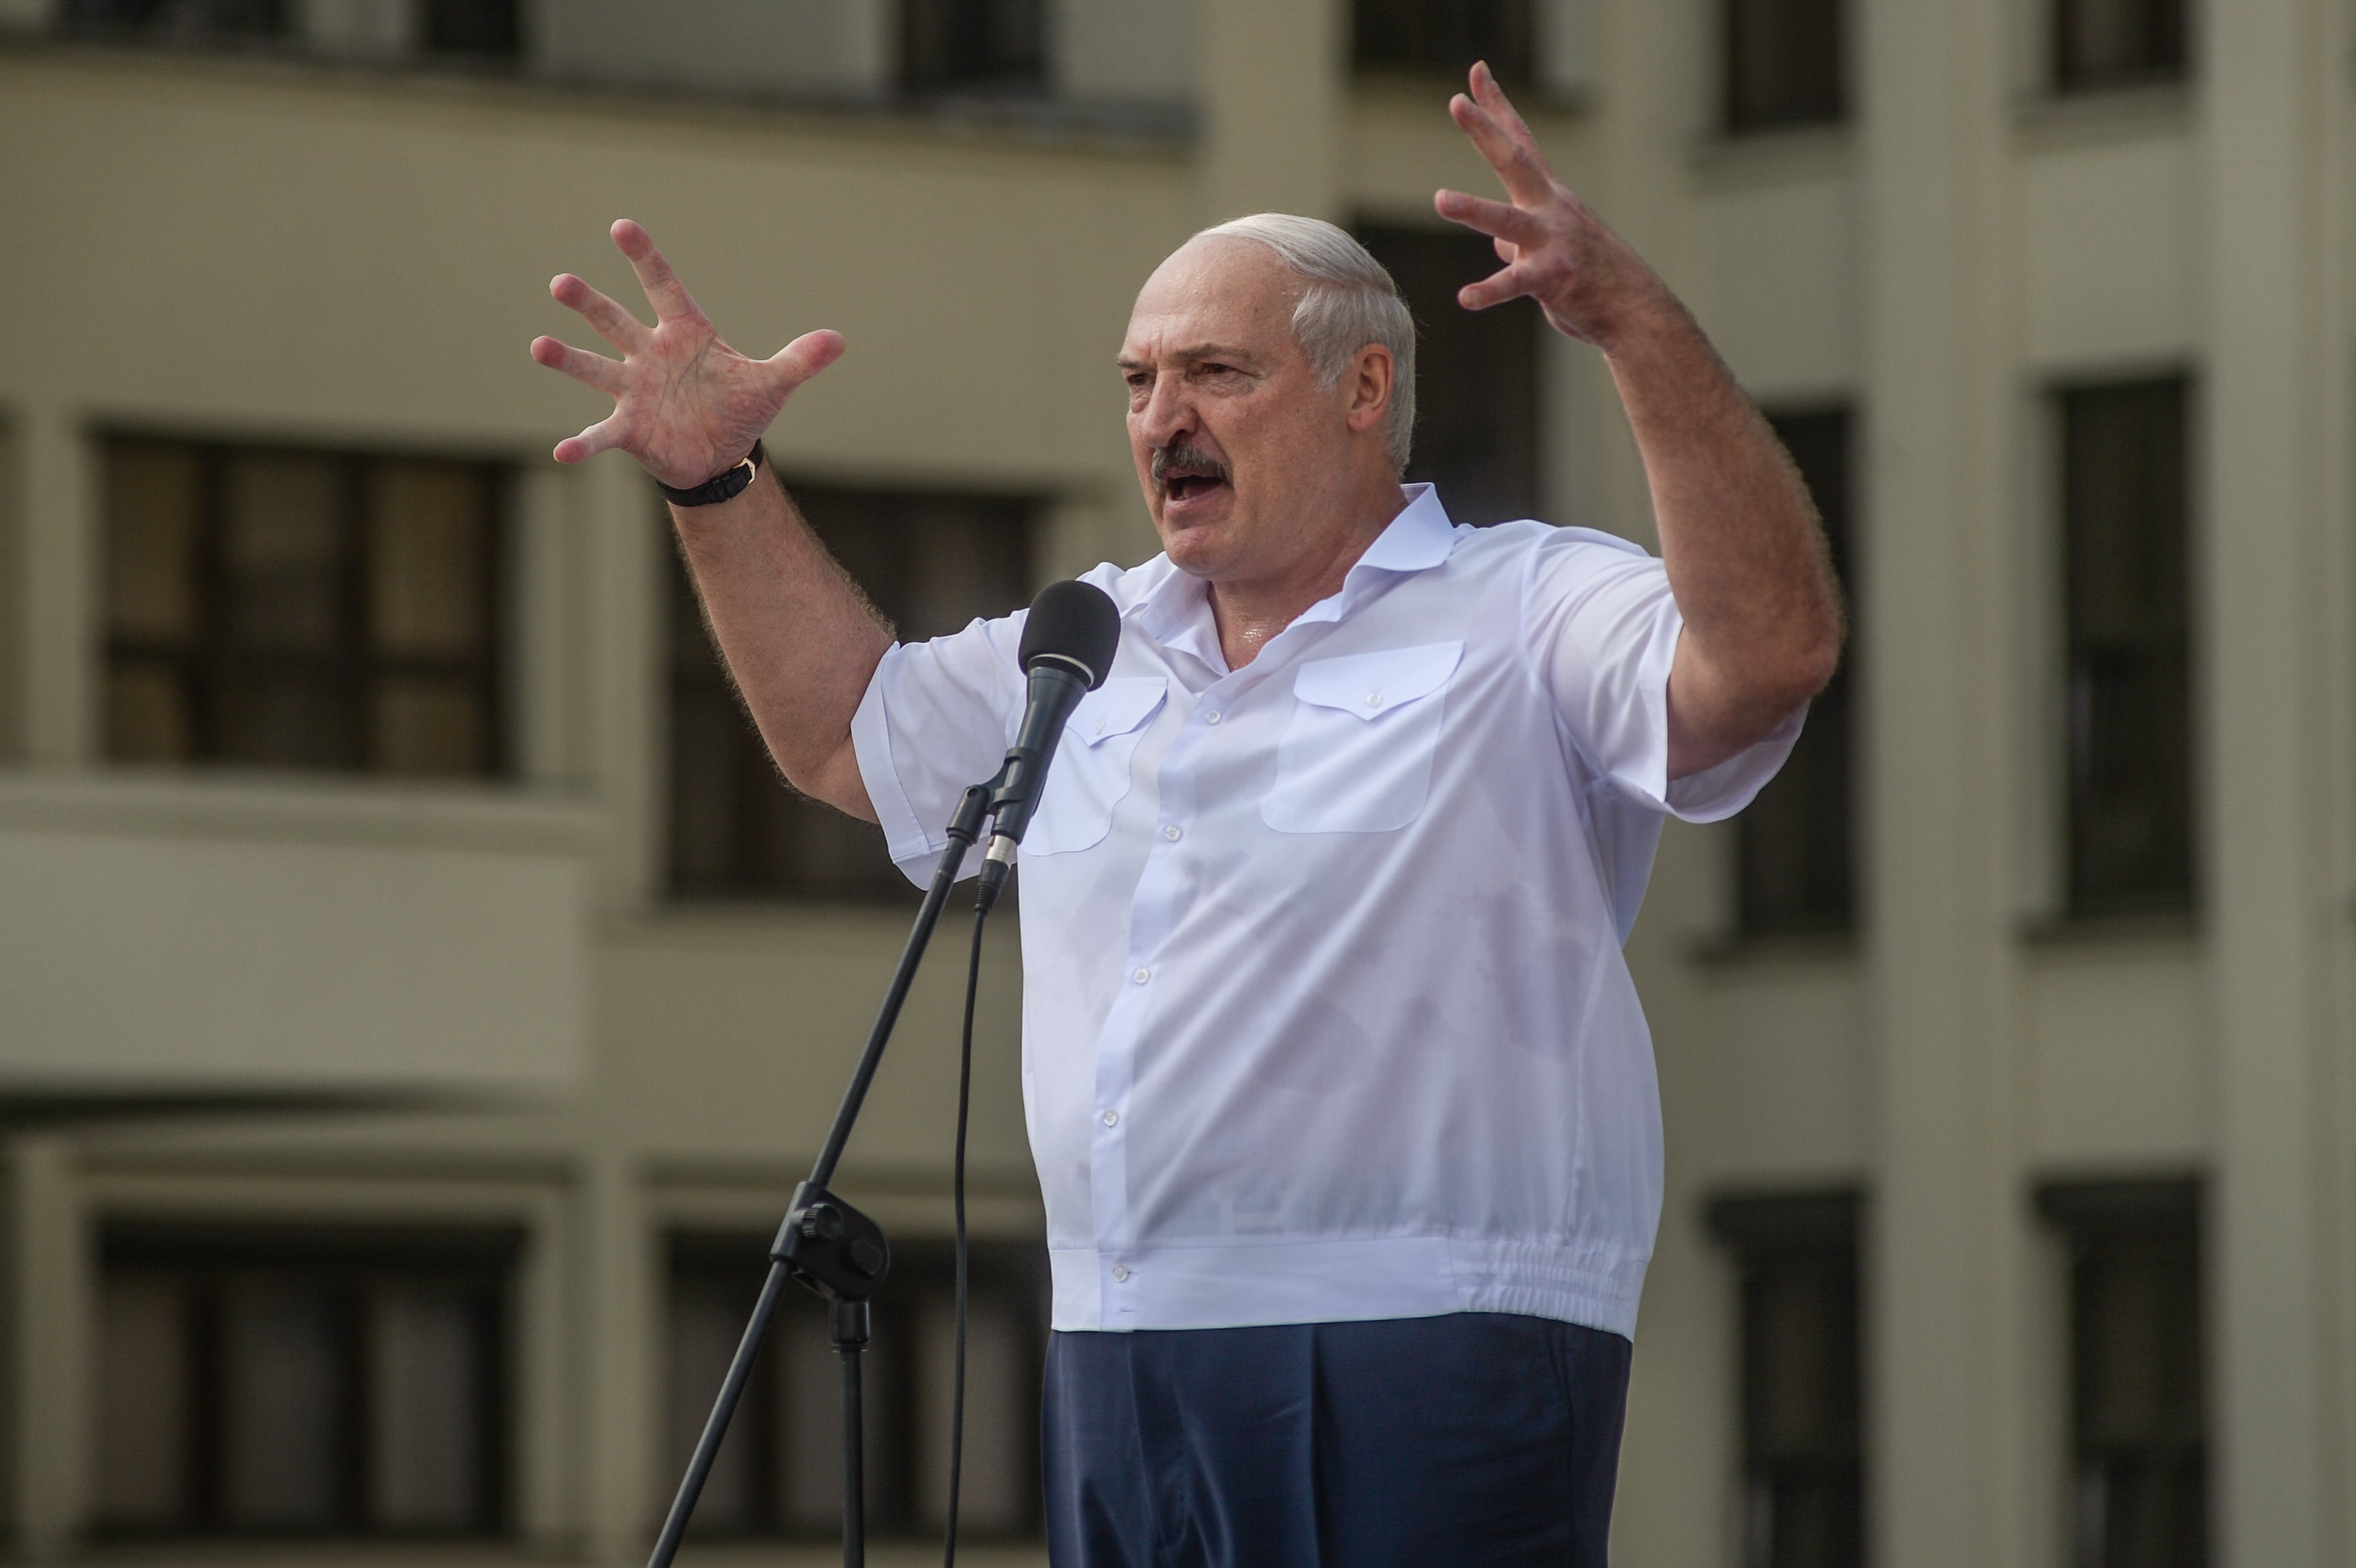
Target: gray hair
{"x": 1350, "y": 301}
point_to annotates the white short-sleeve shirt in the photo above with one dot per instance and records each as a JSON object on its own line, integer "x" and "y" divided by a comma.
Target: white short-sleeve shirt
{"x": 1324, "y": 1011}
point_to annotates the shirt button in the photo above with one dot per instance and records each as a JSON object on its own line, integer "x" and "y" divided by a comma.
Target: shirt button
{"x": 1373, "y": 699}
{"x": 1120, "y": 1273}
{"x": 1171, "y": 833}
{"x": 1141, "y": 976}
{"x": 1109, "y": 1117}
{"x": 1212, "y": 717}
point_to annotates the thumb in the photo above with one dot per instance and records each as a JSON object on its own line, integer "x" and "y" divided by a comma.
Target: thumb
{"x": 807, "y": 355}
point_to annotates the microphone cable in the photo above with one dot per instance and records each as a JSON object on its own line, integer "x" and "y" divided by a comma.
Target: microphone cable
{"x": 956, "y": 1189}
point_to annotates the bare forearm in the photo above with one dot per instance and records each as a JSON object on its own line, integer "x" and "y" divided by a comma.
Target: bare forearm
{"x": 1745, "y": 552}
{"x": 800, "y": 638}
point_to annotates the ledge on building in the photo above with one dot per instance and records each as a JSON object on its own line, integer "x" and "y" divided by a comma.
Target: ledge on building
{"x": 1098, "y": 125}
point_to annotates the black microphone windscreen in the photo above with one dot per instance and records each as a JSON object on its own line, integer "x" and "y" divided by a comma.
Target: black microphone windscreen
{"x": 1074, "y": 622}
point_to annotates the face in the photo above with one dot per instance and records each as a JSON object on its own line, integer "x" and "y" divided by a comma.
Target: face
{"x": 1244, "y": 459}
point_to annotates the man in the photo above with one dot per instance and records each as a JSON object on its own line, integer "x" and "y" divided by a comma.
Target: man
{"x": 1342, "y": 1099}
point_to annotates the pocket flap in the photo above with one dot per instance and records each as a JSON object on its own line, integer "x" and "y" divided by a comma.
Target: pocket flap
{"x": 1117, "y": 707}
{"x": 1373, "y": 684}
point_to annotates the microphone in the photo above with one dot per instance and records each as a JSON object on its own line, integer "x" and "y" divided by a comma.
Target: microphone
{"x": 1067, "y": 648}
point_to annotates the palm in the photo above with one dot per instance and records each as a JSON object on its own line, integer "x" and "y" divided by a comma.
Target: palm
{"x": 686, "y": 406}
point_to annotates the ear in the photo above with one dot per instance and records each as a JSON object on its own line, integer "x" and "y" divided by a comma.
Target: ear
{"x": 1368, "y": 382}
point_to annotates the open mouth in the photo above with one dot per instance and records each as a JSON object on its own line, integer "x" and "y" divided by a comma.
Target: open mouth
{"x": 1186, "y": 487}
{"x": 1184, "y": 472}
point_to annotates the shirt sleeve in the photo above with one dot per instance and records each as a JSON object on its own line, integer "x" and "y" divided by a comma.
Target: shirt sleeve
{"x": 1605, "y": 629}
{"x": 937, "y": 718}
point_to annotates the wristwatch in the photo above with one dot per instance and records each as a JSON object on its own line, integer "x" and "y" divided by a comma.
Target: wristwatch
{"x": 725, "y": 486}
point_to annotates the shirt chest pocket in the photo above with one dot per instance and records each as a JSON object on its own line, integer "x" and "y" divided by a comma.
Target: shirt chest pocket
{"x": 1356, "y": 756}
{"x": 1090, "y": 773}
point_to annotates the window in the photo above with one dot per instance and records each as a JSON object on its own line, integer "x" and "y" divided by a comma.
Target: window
{"x": 2129, "y": 650}
{"x": 931, "y": 563}
{"x": 290, "y": 1380}
{"x": 483, "y": 31}
{"x": 1443, "y": 38}
{"x": 973, "y": 46}
{"x": 1802, "y": 1377}
{"x": 281, "y": 609}
{"x": 1786, "y": 64}
{"x": 2139, "y": 1452}
{"x": 779, "y": 1471}
{"x": 1796, "y": 857}
{"x": 182, "y": 23}
{"x": 2103, "y": 44}
{"x": 1476, "y": 375}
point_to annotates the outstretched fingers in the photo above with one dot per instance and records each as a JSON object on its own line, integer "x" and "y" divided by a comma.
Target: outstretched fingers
{"x": 664, "y": 291}
{"x": 1505, "y": 284}
{"x": 590, "y": 370}
{"x": 807, "y": 355}
{"x": 1501, "y": 220}
{"x": 606, "y": 433}
{"x": 1524, "y": 175}
{"x": 611, "y": 322}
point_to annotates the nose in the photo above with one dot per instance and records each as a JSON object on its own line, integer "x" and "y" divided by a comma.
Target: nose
{"x": 1167, "y": 413}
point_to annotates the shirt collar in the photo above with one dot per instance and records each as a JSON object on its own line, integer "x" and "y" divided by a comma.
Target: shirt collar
{"x": 1170, "y": 607}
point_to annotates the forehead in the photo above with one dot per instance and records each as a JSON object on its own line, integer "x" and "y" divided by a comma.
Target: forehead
{"x": 1216, "y": 289}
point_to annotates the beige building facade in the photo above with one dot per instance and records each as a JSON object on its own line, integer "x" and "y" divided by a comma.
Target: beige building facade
{"x": 239, "y": 1003}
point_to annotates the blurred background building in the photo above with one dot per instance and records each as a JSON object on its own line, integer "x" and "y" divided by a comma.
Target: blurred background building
{"x": 418, "y": 996}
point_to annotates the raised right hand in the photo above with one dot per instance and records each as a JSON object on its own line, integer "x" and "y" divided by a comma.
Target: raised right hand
{"x": 686, "y": 406}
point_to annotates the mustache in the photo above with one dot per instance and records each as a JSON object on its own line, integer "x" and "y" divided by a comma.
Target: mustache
{"x": 1188, "y": 459}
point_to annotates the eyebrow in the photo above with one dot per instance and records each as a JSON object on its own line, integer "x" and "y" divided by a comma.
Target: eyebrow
{"x": 1192, "y": 355}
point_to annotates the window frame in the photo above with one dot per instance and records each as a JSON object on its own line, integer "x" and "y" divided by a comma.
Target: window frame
{"x": 210, "y": 1256}
{"x": 2159, "y": 1215}
{"x": 694, "y": 675}
{"x": 1822, "y": 1228}
{"x": 735, "y": 1260}
{"x": 1511, "y": 53}
{"x": 2066, "y": 77}
{"x": 1833, "y": 716}
{"x": 2082, "y": 897}
{"x": 1738, "y": 120}
{"x": 211, "y": 655}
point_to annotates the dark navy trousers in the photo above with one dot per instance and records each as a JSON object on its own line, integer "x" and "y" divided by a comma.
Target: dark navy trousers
{"x": 1476, "y": 1440}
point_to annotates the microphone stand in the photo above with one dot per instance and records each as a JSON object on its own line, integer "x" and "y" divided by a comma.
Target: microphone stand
{"x": 827, "y": 1244}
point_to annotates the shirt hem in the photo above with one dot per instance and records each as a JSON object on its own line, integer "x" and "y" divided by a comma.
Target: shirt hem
{"x": 1348, "y": 1281}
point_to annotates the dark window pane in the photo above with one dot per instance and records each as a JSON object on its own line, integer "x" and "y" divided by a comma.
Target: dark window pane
{"x": 1801, "y": 1395}
{"x": 1784, "y": 63}
{"x": 2127, "y": 612}
{"x": 1476, "y": 376}
{"x": 276, "y": 1380}
{"x": 779, "y": 1471}
{"x": 302, "y": 609}
{"x": 187, "y": 23}
{"x": 1796, "y": 860}
{"x": 286, "y": 1435}
{"x": 1442, "y": 37}
{"x": 484, "y": 30}
{"x": 2100, "y": 44}
{"x": 281, "y": 554}
{"x": 975, "y": 46}
{"x": 931, "y": 563}
{"x": 2138, "y": 1438}
{"x": 144, "y": 1398}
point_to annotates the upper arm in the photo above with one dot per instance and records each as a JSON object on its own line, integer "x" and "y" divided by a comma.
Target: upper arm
{"x": 1610, "y": 644}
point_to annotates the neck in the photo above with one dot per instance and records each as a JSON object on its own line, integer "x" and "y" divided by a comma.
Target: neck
{"x": 1251, "y": 611}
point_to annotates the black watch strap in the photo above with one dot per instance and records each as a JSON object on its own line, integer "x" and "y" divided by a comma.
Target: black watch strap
{"x": 727, "y": 486}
